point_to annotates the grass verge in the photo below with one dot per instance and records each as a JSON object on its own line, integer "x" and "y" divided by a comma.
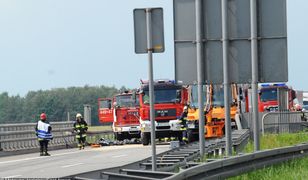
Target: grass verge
{"x": 100, "y": 128}
{"x": 295, "y": 169}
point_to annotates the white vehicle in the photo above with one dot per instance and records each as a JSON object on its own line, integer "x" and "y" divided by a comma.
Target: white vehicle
{"x": 305, "y": 102}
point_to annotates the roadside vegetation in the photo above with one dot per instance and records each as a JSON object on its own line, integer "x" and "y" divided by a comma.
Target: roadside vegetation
{"x": 56, "y": 103}
{"x": 270, "y": 141}
{"x": 96, "y": 138}
{"x": 295, "y": 169}
{"x": 100, "y": 128}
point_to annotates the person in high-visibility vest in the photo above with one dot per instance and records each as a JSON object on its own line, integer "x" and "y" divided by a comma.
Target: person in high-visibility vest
{"x": 183, "y": 122}
{"x": 80, "y": 127}
{"x": 43, "y": 133}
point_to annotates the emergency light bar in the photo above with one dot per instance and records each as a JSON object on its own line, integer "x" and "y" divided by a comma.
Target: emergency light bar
{"x": 275, "y": 84}
{"x": 265, "y": 85}
{"x": 280, "y": 84}
{"x": 158, "y": 81}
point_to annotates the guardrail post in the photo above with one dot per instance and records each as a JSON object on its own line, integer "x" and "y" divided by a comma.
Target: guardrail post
{"x": 1, "y": 130}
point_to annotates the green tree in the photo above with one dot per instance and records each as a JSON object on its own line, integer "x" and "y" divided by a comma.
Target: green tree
{"x": 56, "y": 103}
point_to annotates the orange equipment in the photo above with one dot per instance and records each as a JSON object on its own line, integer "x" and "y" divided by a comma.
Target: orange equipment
{"x": 214, "y": 111}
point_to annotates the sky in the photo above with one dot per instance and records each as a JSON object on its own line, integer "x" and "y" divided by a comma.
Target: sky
{"x": 47, "y": 44}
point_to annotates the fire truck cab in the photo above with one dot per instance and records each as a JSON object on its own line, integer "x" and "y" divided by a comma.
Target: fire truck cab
{"x": 268, "y": 94}
{"x": 124, "y": 113}
{"x": 169, "y": 100}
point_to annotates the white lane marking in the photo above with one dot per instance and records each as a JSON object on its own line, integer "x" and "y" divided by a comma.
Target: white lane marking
{"x": 33, "y": 158}
{"x": 53, "y": 155}
{"x": 71, "y": 165}
{"x": 18, "y": 160}
{"x": 123, "y": 155}
{"x": 14, "y": 176}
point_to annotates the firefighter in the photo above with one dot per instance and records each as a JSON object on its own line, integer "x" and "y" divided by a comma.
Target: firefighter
{"x": 43, "y": 133}
{"x": 183, "y": 122}
{"x": 80, "y": 127}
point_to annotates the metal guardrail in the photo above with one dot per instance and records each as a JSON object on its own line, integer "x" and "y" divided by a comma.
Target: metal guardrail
{"x": 168, "y": 162}
{"x": 212, "y": 168}
{"x": 22, "y": 136}
{"x": 233, "y": 166}
{"x": 284, "y": 122}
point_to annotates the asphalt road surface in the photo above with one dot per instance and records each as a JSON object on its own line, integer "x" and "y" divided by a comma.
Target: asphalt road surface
{"x": 73, "y": 161}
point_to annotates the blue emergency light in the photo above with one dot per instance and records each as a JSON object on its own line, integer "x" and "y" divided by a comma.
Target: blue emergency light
{"x": 265, "y": 85}
{"x": 280, "y": 84}
{"x": 275, "y": 84}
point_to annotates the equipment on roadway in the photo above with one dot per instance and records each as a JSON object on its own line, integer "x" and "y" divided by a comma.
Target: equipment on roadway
{"x": 214, "y": 111}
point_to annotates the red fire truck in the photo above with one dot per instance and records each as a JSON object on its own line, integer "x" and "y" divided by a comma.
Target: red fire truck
{"x": 169, "y": 100}
{"x": 268, "y": 94}
{"x": 123, "y": 112}
{"x": 268, "y": 97}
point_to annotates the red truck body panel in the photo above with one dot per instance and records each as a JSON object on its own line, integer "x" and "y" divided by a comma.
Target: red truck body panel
{"x": 105, "y": 110}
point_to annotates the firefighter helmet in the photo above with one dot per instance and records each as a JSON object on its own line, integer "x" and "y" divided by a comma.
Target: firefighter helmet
{"x": 43, "y": 116}
{"x": 78, "y": 115}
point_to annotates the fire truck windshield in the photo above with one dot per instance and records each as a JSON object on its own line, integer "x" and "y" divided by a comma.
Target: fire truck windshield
{"x": 218, "y": 96}
{"x": 194, "y": 96}
{"x": 104, "y": 104}
{"x": 127, "y": 101}
{"x": 161, "y": 96}
{"x": 268, "y": 95}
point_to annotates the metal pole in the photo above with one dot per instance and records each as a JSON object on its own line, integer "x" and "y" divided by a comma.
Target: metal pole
{"x": 68, "y": 116}
{"x": 225, "y": 44}
{"x": 254, "y": 64}
{"x": 151, "y": 87}
{"x": 1, "y": 130}
{"x": 200, "y": 74}
{"x": 87, "y": 114}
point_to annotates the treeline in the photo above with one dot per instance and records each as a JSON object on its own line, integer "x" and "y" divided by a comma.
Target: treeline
{"x": 56, "y": 103}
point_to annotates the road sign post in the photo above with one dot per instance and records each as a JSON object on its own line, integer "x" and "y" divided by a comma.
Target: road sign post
{"x": 151, "y": 87}
{"x": 272, "y": 41}
{"x": 149, "y": 41}
{"x": 200, "y": 72}
{"x": 254, "y": 73}
{"x": 253, "y": 43}
{"x": 226, "y": 83}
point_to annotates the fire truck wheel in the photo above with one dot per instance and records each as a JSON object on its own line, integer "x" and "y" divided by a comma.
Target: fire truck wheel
{"x": 118, "y": 136}
{"x": 145, "y": 138}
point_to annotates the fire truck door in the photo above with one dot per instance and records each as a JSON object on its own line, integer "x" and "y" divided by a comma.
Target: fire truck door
{"x": 105, "y": 110}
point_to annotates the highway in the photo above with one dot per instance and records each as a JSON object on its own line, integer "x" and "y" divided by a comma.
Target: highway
{"x": 73, "y": 161}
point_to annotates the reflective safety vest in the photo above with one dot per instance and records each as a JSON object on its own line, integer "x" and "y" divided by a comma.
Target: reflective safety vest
{"x": 43, "y": 131}
{"x": 81, "y": 129}
{"x": 183, "y": 129}
{"x": 183, "y": 123}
